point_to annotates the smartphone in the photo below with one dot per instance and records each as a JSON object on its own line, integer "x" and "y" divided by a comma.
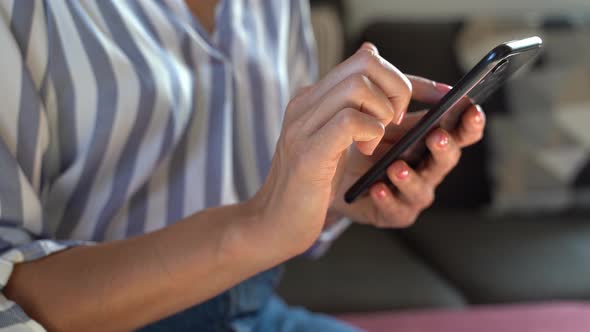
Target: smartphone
{"x": 474, "y": 88}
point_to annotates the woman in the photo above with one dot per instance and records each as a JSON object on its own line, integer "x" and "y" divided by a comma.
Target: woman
{"x": 156, "y": 153}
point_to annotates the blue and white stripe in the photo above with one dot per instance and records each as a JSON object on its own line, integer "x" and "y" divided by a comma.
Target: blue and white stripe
{"x": 122, "y": 117}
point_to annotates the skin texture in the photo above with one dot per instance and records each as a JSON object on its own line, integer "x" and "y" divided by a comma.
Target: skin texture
{"x": 204, "y": 11}
{"x": 328, "y": 136}
{"x": 122, "y": 285}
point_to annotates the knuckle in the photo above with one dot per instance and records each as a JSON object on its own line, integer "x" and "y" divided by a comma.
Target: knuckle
{"x": 455, "y": 157}
{"x": 359, "y": 90}
{"x": 366, "y": 58}
{"x": 298, "y": 100}
{"x": 426, "y": 199}
{"x": 358, "y": 84}
{"x": 345, "y": 119}
{"x": 294, "y": 103}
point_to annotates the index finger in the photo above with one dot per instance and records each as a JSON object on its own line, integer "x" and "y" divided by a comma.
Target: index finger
{"x": 427, "y": 91}
{"x": 366, "y": 61}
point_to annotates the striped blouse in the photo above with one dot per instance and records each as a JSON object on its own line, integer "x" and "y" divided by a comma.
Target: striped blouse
{"x": 121, "y": 117}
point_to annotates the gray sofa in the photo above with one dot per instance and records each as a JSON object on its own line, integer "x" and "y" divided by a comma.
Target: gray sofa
{"x": 448, "y": 259}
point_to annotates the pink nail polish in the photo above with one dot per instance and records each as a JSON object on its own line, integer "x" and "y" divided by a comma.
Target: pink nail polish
{"x": 442, "y": 140}
{"x": 403, "y": 174}
{"x": 381, "y": 193}
{"x": 477, "y": 119}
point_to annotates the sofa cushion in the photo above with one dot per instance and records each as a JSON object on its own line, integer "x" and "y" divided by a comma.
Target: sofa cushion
{"x": 365, "y": 271}
{"x": 510, "y": 258}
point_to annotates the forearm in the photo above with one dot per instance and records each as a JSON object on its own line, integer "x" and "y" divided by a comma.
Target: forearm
{"x": 122, "y": 285}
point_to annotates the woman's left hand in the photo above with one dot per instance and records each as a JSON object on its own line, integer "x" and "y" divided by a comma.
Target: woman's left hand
{"x": 416, "y": 187}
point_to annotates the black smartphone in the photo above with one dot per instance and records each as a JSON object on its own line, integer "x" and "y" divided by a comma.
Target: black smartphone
{"x": 474, "y": 88}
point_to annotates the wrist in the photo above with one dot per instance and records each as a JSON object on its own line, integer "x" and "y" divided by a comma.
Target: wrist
{"x": 250, "y": 236}
{"x": 271, "y": 233}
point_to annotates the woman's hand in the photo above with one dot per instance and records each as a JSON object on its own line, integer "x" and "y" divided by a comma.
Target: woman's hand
{"x": 415, "y": 187}
{"x": 354, "y": 103}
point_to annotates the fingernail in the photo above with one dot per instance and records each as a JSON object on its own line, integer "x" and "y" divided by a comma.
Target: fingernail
{"x": 442, "y": 140}
{"x": 403, "y": 174}
{"x": 381, "y": 193}
{"x": 478, "y": 119}
{"x": 443, "y": 88}
{"x": 369, "y": 47}
{"x": 400, "y": 118}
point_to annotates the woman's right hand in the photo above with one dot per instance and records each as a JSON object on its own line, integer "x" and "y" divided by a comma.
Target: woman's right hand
{"x": 352, "y": 104}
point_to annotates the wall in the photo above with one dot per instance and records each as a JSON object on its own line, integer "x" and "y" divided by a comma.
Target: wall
{"x": 360, "y": 12}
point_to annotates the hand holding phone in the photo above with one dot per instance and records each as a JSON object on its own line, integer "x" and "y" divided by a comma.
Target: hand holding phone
{"x": 474, "y": 88}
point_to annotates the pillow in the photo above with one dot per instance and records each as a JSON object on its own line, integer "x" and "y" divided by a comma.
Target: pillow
{"x": 541, "y": 144}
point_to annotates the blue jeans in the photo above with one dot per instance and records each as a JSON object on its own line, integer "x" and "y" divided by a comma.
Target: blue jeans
{"x": 251, "y": 306}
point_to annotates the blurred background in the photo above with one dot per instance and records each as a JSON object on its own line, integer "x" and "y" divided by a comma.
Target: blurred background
{"x": 512, "y": 223}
